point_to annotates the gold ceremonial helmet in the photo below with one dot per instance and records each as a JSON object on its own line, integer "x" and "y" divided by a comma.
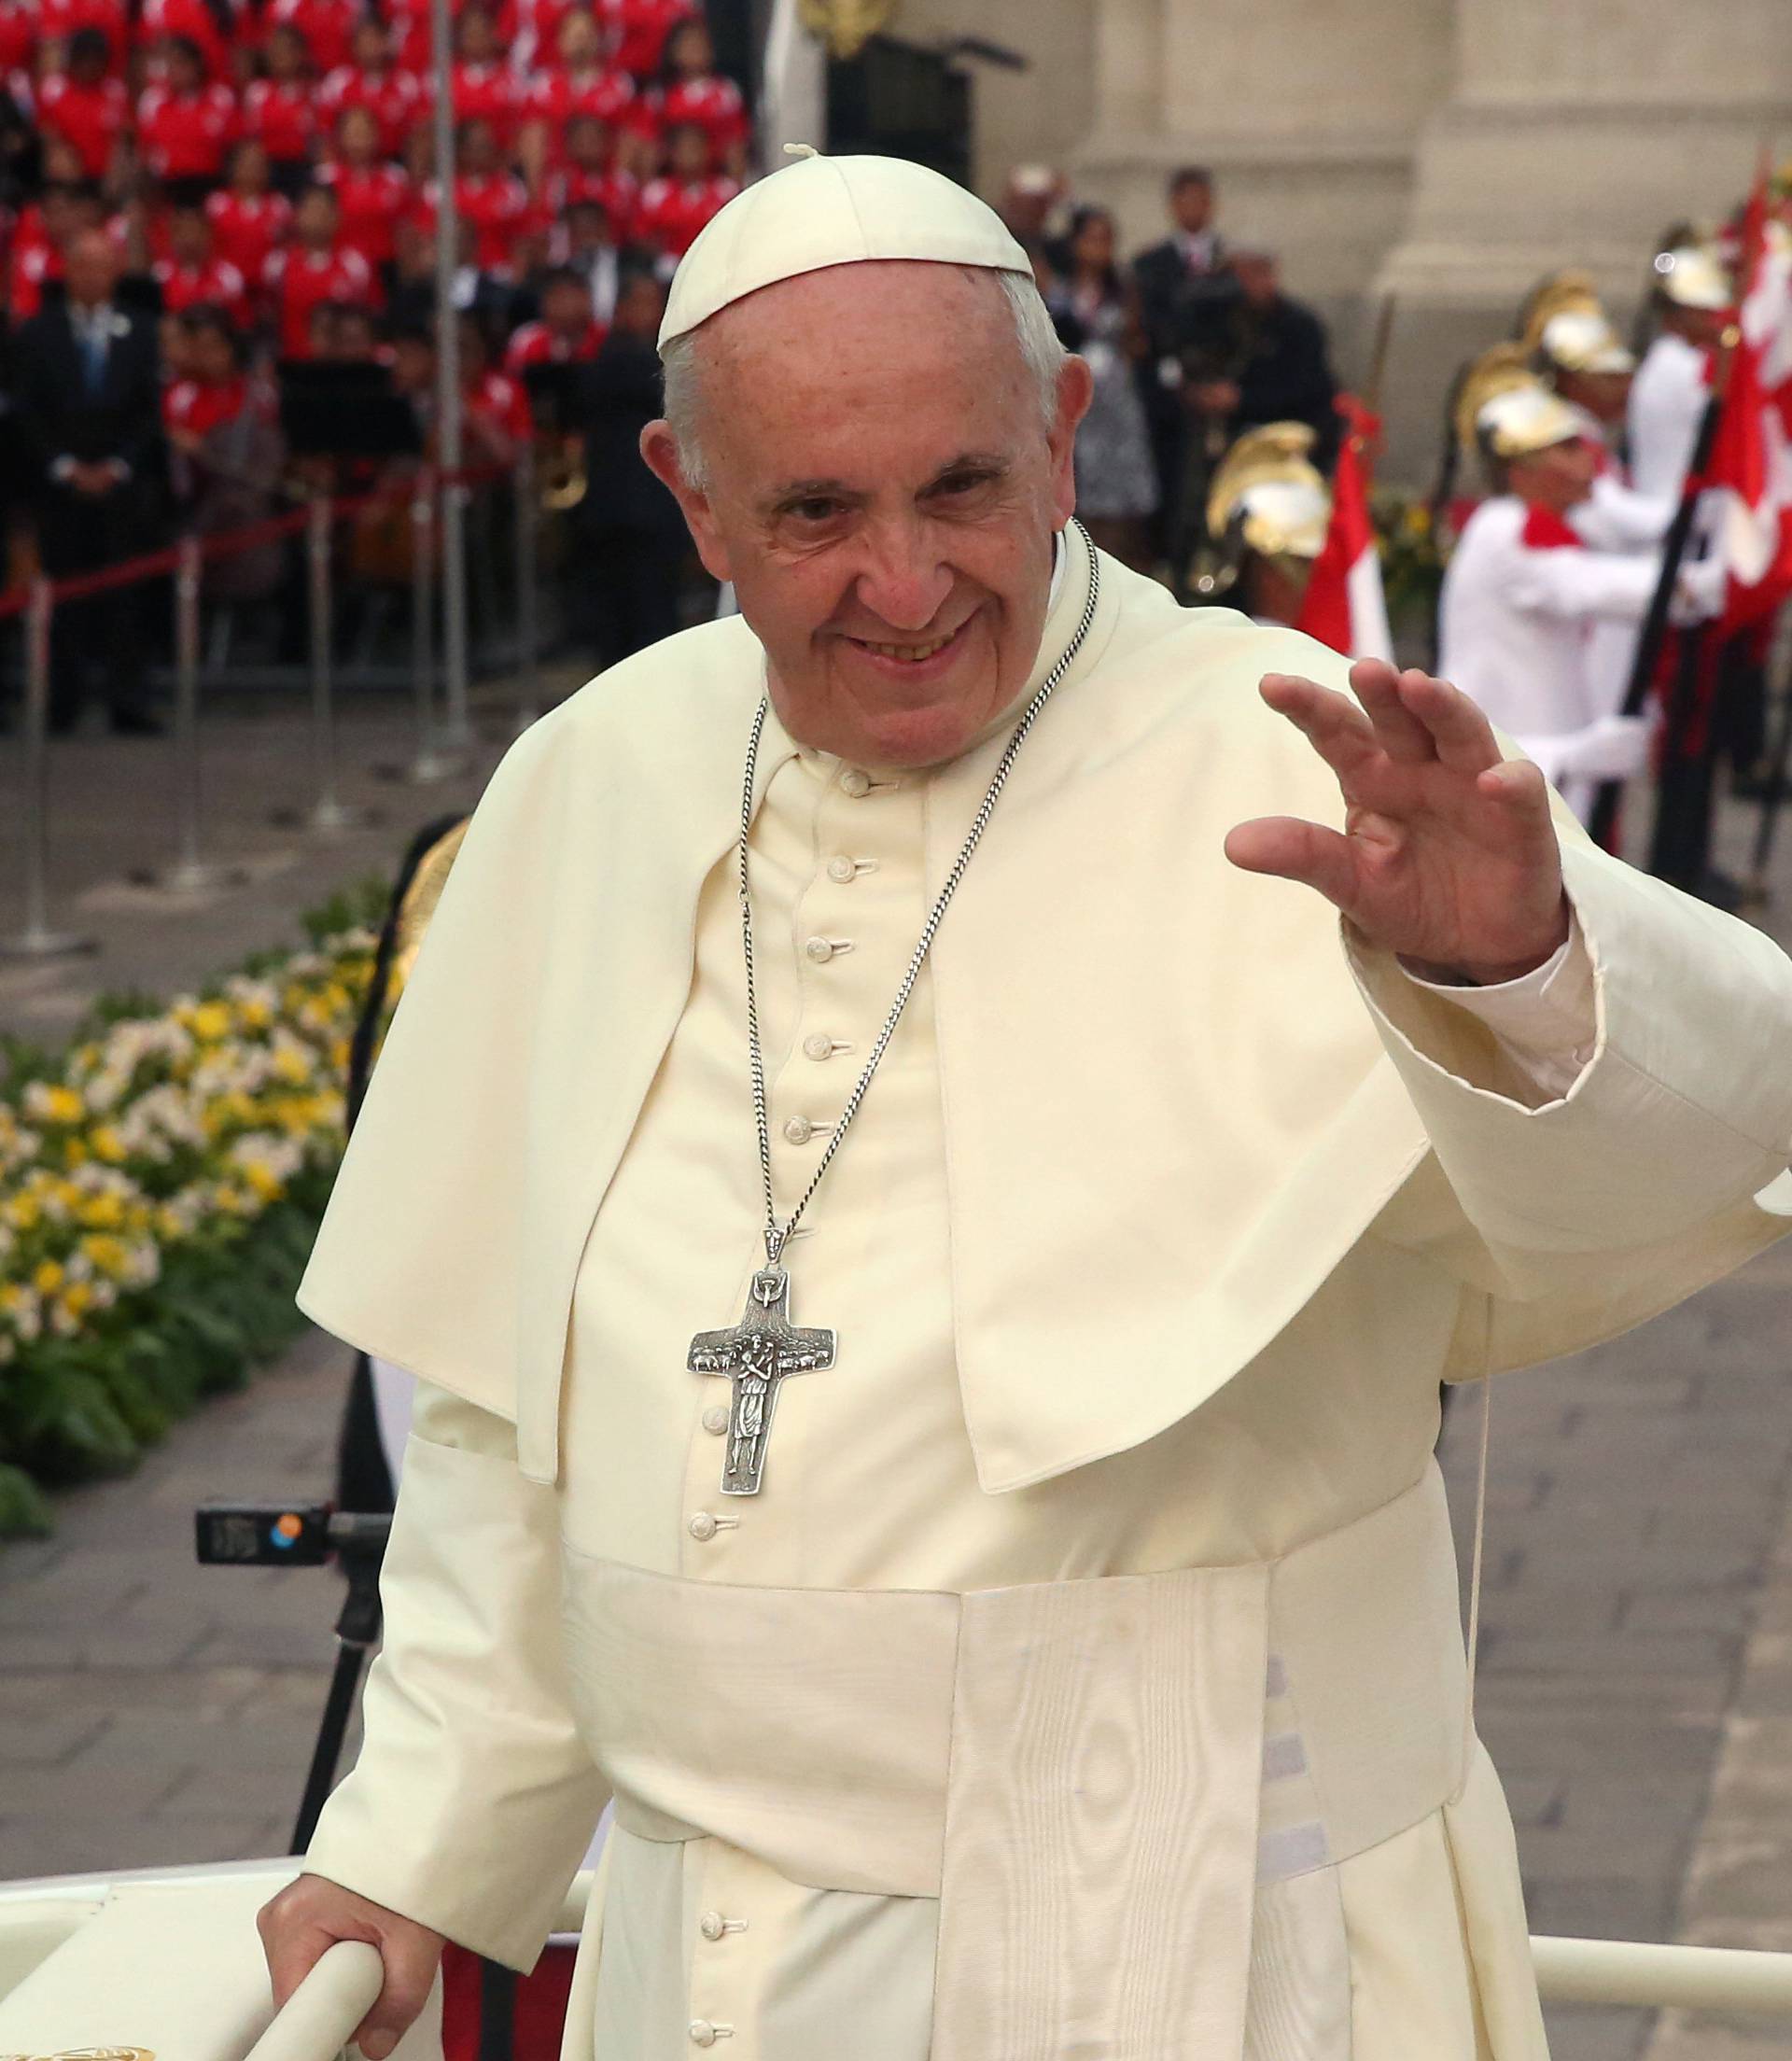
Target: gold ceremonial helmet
{"x": 1497, "y": 371}
{"x": 1558, "y": 293}
{"x": 1268, "y": 485}
{"x": 421, "y": 896}
{"x": 1692, "y": 275}
{"x": 1518, "y": 422}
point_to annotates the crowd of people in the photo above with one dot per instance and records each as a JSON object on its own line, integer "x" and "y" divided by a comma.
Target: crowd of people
{"x": 1194, "y": 344}
{"x": 204, "y": 201}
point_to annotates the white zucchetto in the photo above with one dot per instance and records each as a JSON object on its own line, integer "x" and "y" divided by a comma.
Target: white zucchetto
{"x": 833, "y": 211}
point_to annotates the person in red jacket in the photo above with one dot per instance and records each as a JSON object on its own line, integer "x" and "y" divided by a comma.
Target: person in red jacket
{"x": 203, "y": 26}
{"x": 372, "y": 194}
{"x": 674, "y": 209}
{"x": 580, "y": 84}
{"x": 83, "y": 105}
{"x": 314, "y": 267}
{"x": 568, "y": 332}
{"x": 638, "y": 30}
{"x": 393, "y": 96}
{"x": 185, "y": 123}
{"x": 327, "y": 27}
{"x": 249, "y": 221}
{"x": 20, "y": 27}
{"x": 482, "y": 84}
{"x": 280, "y": 109}
{"x": 691, "y": 90}
{"x": 489, "y": 197}
{"x": 192, "y": 275}
{"x": 592, "y": 174}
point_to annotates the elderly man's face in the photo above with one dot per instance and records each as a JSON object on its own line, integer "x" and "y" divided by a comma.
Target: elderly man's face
{"x": 883, "y": 491}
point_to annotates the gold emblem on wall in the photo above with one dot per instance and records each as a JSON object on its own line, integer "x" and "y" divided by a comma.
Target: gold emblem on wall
{"x": 845, "y": 26}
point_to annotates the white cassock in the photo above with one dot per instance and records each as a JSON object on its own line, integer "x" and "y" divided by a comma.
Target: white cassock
{"x": 1086, "y": 1677}
{"x": 1522, "y": 601}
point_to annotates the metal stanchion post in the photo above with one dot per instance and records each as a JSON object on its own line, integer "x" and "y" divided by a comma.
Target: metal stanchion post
{"x": 456, "y": 721}
{"x": 430, "y": 763}
{"x": 329, "y": 817}
{"x": 38, "y": 940}
{"x": 189, "y": 873}
{"x": 528, "y": 685}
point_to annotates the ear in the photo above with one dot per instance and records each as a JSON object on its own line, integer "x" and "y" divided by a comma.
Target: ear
{"x": 1075, "y": 391}
{"x": 660, "y": 450}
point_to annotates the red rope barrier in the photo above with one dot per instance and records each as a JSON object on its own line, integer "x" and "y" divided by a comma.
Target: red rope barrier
{"x": 227, "y": 543}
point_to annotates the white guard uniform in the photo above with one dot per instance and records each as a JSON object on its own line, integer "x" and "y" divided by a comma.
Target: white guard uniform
{"x": 1521, "y": 599}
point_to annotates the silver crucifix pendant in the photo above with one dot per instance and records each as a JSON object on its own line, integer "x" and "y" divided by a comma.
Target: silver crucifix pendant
{"x": 756, "y": 1355}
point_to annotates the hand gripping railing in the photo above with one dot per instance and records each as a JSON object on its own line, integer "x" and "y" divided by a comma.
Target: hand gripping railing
{"x": 321, "y": 2015}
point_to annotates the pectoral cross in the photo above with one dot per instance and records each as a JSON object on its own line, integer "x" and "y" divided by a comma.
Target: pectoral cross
{"x": 757, "y": 1354}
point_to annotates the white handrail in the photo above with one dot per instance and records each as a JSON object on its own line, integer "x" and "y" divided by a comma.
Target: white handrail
{"x": 323, "y": 2012}
{"x": 329, "y": 2003}
{"x": 1663, "y": 1978}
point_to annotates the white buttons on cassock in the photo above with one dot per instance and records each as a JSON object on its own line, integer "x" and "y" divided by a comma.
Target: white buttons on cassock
{"x": 703, "y": 2034}
{"x": 712, "y": 1924}
{"x": 799, "y": 1130}
{"x": 819, "y": 1046}
{"x": 855, "y": 783}
{"x": 703, "y": 1528}
{"x": 716, "y": 1418}
{"x": 821, "y": 950}
{"x": 841, "y": 868}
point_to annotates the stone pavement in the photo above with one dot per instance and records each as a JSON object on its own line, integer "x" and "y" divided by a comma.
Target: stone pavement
{"x": 1636, "y": 1664}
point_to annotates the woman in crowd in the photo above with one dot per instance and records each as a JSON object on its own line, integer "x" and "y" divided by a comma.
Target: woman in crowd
{"x": 1116, "y": 487}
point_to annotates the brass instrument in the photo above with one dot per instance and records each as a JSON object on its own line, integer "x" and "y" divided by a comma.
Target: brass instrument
{"x": 560, "y": 468}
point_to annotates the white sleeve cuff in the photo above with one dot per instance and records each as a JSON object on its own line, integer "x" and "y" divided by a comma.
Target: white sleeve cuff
{"x": 1545, "y": 1021}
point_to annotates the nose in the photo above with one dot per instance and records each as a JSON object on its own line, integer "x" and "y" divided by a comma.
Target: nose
{"x": 904, "y": 581}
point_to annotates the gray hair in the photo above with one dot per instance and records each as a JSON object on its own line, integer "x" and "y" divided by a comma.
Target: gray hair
{"x": 1039, "y": 348}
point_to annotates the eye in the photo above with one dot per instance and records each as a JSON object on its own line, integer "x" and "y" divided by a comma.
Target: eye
{"x": 960, "y": 483}
{"x": 814, "y": 508}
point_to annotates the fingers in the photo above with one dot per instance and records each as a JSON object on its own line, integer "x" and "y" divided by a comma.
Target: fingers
{"x": 1400, "y": 733}
{"x": 1461, "y": 736}
{"x": 1292, "y": 849}
{"x": 409, "y": 1970}
{"x": 312, "y": 1914}
{"x": 1331, "y": 722}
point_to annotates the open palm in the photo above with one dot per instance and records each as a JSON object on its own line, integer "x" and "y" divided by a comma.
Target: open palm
{"x": 1448, "y": 855}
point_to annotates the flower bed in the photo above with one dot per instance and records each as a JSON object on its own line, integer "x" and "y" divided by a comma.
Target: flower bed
{"x": 162, "y": 1181}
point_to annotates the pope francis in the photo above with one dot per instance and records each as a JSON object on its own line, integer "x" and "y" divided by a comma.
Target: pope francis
{"x": 939, "y": 1141}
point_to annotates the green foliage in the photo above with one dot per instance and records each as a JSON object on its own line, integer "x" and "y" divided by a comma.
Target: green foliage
{"x": 185, "y": 1244}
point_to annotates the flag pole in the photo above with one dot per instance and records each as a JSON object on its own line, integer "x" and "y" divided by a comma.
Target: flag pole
{"x": 1655, "y": 624}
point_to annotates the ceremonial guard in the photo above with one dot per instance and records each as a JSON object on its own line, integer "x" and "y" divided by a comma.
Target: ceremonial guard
{"x": 1672, "y": 384}
{"x": 942, "y": 1136}
{"x": 1523, "y": 591}
{"x": 1267, "y": 516}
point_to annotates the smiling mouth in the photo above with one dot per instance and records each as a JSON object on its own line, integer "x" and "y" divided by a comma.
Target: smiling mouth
{"x": 905, "y": 655}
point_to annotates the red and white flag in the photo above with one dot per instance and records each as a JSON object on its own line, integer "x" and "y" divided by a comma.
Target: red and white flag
{"x": 1751, "y": 457}
{"x": 1345, "y": 606}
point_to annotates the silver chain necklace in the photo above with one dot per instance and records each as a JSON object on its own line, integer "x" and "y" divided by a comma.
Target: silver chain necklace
{"x": 764, "y": 1347}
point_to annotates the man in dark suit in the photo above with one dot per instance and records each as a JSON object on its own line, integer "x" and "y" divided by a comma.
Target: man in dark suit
{"x": 1186, "y": 294}
{"x": 89, "y": 409}
{"x": 1283, "y": 363}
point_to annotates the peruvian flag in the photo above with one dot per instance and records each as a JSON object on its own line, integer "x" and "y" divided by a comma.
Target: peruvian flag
{"x": 1345, "y": 606}
{"x": 1751, "y": 459}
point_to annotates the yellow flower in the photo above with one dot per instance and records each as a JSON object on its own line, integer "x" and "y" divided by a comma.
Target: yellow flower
{"x": 264, "y": 1181}
{"x": 106, "y": 1144}
{"x": 253, "y": 1014}
{"x": 109, "y": 1254}
{"x": 76, "y": 1152}
{"x": 77, "y": 1298}
{"x": 47, "y": 1277}
{"x": 23, "y": 1211}
{"x": 64, "y": 1106}
{"x": 211, "y": 1021}
{"x": 104, "y": 1212}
